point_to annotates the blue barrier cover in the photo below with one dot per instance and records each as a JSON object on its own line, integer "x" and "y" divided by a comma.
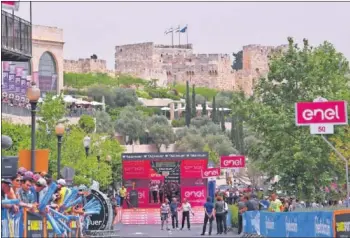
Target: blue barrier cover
{"x": 289, "y": 224}
{"x": 251, "y": 222}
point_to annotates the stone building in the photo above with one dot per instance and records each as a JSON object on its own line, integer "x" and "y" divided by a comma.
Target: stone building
{"x": 48, "y": 57}
{"x": 46, "y": 64}
{"x": 87, "y": 66}
{"x": 179, "y": 64}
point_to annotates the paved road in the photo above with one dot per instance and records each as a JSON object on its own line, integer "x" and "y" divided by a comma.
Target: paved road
{"x": 154, "y": 231}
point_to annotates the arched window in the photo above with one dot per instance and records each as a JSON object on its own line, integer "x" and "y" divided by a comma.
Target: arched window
{"x": 47, "y": 74}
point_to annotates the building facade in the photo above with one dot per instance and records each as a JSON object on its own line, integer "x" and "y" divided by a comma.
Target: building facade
{"x": 179, "y": 64}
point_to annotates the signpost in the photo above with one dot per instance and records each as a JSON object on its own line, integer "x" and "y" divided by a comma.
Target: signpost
{"x": 321, "y": 115}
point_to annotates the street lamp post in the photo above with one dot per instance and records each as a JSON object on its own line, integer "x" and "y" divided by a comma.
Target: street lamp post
{"x": 59, "y": 129}
{"x": 86, "y": 143}
{"x": 33, "y": 94}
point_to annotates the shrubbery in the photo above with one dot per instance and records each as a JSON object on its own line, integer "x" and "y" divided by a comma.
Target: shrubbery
{"x": 234, "y": 217}
{"x": 178, "y": 123}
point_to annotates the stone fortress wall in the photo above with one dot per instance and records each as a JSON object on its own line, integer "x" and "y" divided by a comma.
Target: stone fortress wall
{"x": 86, "y": 66}
{"x": 179, "y": 64}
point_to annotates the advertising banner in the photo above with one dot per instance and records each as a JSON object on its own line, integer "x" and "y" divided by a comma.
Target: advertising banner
{"x": 143, "y": 195}
{"x": 211, "y": 172}
{"x": 232, "y": 161}
{"x": 193, "y": 168}
{"x": 288, "y": 224}
{"x": 331, "y": 112}
{"x": 99, "y": 221}
{"x": 341, "y": 223}
{"x": 5, "y": 75}
{"x": 34, "y": 225}
{"x": 197, "y": 196}
{"x": 136, "y": 169}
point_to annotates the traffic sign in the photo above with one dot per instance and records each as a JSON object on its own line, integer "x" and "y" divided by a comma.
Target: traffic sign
{"x": 321, "y": 129}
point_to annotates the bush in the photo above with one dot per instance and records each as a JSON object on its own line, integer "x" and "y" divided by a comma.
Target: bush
{"x": 87, "y": 123}
{"x": 76, "y": 80}
{"x": 178, "y": 123}
{"x": 234, "y": 217}
{"x": 143, "y": 94}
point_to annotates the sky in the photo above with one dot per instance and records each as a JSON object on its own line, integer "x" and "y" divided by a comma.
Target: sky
{"x": 213, "y": 27}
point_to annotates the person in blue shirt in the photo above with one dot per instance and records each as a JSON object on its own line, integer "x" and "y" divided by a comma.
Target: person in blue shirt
{"x": 209, "y": 215}
{"x": 264, "y": 204}
{"x": 174, "y": 213}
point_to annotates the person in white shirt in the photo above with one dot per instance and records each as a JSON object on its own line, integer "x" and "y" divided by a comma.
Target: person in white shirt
{"x": 164, "y": 214}
{"x": 186, "y": 209}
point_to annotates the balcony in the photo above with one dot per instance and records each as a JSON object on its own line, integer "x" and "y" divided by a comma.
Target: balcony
{"x": 16, "y": 38}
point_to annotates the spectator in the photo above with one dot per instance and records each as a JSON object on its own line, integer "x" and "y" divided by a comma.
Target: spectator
{"x": 208, "y": 216}
{"x": 40, "y": 189}
{"x": 219, "y": 213}
{"x": 241, "y": 205}
{"x": 275, "y": 204}
{"x": 122, "y": 195}
{"x": 154, "y": 189}
{"x": 174, "y": 213}
{"x": 26, "y": 196}
{"x": 61, "y": 191}
{"x": 21, "y": 171}
{"x": 186, "y": 209}
{"x": 164, "y": 214}
{"x": 16, "y": 183}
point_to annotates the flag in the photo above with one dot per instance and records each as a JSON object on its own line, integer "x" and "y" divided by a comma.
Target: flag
{"x": 177, "y": 29}
{"x": 10, "y": 5}
{"x": 183, "y": 30}
{"x": 169, "y": 31}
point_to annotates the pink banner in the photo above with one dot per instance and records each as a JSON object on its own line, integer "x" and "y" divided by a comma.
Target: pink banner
{"x": 234, "y": 161}
{"x": 195, "y": 195}
{"x": 193, "y": 168}
{"x": 211, "y": 172}
{"x": 5, "y": 66}
{"x": 143, "y": 196}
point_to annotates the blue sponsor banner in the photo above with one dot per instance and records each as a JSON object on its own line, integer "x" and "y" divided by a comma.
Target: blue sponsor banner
{"x": 251, "y": 222}
{"x": 289, "y": 224}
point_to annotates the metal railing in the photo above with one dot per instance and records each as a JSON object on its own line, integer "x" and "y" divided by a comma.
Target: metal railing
{"x": 16, "y": 34}
{"x": 25, "y": 112}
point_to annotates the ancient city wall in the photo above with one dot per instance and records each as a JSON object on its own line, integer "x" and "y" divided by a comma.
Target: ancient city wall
{"x": 179, "y": 64}
{"x": 86, "y": 66}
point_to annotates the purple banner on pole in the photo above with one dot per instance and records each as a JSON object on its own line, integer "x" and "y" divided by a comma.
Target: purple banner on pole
{"x": 11, "y": 84}
{"x": 5, "y": 80}
{"x": 18, "y": 84}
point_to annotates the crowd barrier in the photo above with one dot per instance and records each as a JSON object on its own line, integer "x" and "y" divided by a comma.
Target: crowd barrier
{"x": 32, "y": 224}
{"x": 297, "y": 224}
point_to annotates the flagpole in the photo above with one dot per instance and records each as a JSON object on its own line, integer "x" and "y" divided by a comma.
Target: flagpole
{"x": 179, "y": 35}
{"x": 187, "y": 36}
{"x": 172, "y": 38}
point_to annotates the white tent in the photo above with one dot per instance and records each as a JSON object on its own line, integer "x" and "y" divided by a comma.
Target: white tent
{"x": 165, "y": 109}
{"x": 94, "y": 103}
{"x": 69, "y": 99}
{"x": 82, "y": 102}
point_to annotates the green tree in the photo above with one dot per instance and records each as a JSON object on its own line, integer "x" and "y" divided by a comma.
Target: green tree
{"x": 199, "y": 98}
{"x": 214, "y": 112}
{"x": 301, "y": 160}
{"x": 125, "y": 97}
{"x": 238, "y": 61}
{"x": 51, "y": 110}
{"x": 188, "y": 105}
{"x": 131, "y": 123}
{"x": 193, "y": 102}
{"x": 222, "y": 121}
{"x": 104, "y": 123}
{"x": 20, "y": 135}
{"x": 87, "y": 123}
{"x": 204, "y": 108}
{"x": 162, "y": 135}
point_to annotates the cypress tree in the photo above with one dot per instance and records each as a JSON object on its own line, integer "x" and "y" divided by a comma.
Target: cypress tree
{"x": 213, "y": 115}
{"x": 223, "y": 127}
{"x": 194, "y": 110}
{"x": 188, "y": 106}
{"x": 204, "y": 108}
{"x": 233, "y": 129}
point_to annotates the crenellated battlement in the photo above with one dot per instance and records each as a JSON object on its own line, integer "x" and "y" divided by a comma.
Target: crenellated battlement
{"x": 86, "y": 65}
{"x": 178, "y": 64}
